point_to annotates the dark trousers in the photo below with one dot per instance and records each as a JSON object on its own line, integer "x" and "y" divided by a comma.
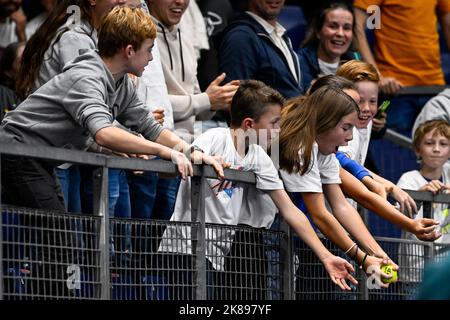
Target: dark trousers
{"x": 246, "y": 267}
{"x": 32, "y": 183}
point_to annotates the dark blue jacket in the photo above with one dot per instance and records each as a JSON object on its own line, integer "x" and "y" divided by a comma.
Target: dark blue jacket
{"x": 247, "y": 52}
{"x": 309, "y": 64}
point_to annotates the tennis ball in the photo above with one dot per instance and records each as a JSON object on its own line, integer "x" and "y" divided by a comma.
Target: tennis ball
{"x": 389, "y": 269}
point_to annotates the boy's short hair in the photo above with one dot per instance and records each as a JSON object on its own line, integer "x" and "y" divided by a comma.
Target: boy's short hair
{"x": 124, "y": 26}
{"x": 356, "y": 71}
{"x": 441, "y": 127}
{"x": 251, "y": 101}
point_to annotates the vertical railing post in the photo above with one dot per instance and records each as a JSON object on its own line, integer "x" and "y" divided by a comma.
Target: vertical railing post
{"x": 428, "y": 213}
{"x": 287, "y": 261}
{"x": 100, "y": 201}
{"x": 198, "y": 235}
{"x": 362, "y": 284}
{"x": 1, "y": 233}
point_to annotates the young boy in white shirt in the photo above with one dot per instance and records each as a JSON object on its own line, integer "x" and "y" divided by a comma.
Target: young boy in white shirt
{"x": 432, "y": 145}
{"x": 255, "y": 113}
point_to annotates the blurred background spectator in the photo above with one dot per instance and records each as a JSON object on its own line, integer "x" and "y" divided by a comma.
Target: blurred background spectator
{"x": 9, "y": 67}
{"x": 12, "y": 22}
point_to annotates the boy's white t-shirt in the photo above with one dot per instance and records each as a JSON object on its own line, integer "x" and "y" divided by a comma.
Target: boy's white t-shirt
{"x": 324, "y": 169}
{"x": 413, "y": 259}
{"x": 224, "y": 200}
{"x": 358, "y": 147}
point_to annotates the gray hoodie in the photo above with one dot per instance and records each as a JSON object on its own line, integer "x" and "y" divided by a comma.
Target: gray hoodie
{"x": 77, "y": 40}
{"x": 75, "y": 104}
{"x": 437, "y": 108}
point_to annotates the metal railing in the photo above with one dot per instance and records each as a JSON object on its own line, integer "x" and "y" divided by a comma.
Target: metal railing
{"x": 59, "y": 255}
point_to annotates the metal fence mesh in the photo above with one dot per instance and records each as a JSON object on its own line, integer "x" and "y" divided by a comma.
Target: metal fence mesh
{"x": 139, "y": 271}
{"x": 243, "y": 263}
{"x": 50, "y": 255}
{"x": 311, "y": 279}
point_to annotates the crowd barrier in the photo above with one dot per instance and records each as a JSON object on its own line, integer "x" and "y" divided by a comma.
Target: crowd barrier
{"x": 56, "y": 255}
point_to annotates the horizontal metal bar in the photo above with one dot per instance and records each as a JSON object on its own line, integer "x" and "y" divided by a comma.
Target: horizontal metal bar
{"x": 51, "y": 153}
{"x": 421, "y": 195}
{"x": 428, "y": 196}
{"x": 398, "y": 139}
{"x": 422, "y": 90}
{"x": 441, "y": 198}
{"x": 96, "y": 159}
{"x": 161, "y": 166}
{"x": 230, "y": 174}
{"x": 405, "y": 241}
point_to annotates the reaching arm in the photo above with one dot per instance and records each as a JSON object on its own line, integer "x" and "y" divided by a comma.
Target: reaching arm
{"x": 351, "y": 220}
{"x": 120, "y": 140}
{"x": 333, "y": 230}
{"x": 422, "y": 228}
{"x": 407, "y": 204}
{"x": 338, "y": 268}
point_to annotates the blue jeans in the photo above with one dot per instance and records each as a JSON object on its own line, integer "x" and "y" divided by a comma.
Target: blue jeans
{"x": 70, "y": 184}
{"x": 152, "y": 197}
{"x": 118, "y": 193}
{"x": 118, "y": 206}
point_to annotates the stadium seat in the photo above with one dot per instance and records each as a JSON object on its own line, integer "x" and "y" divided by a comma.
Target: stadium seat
{"x": 293, "y": 20}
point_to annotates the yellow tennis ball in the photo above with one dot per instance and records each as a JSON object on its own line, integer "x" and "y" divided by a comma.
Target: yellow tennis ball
{"x": 389, "y": 269}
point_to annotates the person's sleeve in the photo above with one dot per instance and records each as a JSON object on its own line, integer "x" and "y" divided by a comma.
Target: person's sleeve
{"x": 239, "y": 55}
{"x": 85, "y": 102}
{"x": 185, "y": 106}
{"x": 406, "y": 181}
{"x": 363, "y": 4}
{"x": 152, "y": 88}
{"x": 329, "y": 169}
{"x": 267, "y": 177}
{"x": 72, "y": 45}
{"x": 308, "y": 182}
{"x": 208, "y": 143}
{"x": 136, "y": 115}
{"x": 357, "y": 170}
{"x": 435, "y": 109}
{"x": 443, "y": 6}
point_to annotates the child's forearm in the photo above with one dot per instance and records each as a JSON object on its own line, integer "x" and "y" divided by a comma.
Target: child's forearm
{"x": 300, "y": 224}
{"x": 326, "y": 222}
{"x": 369, "y": 200}
{"x": 352, "y": 222}
{"x": 172, "y": 141}
{"x": 350, "y": 219}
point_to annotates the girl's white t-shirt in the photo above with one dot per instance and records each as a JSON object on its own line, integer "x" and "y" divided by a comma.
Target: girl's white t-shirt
{"x": 324, "y": 169}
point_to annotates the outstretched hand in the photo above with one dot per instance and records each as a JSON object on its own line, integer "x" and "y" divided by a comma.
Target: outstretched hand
{"x": 407, "y": 204}
{"x": 339, "y": 270}
{"x": 425, "y": 229}
{"x": 217, "y": 163}
{"x": 183, "y": 164}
